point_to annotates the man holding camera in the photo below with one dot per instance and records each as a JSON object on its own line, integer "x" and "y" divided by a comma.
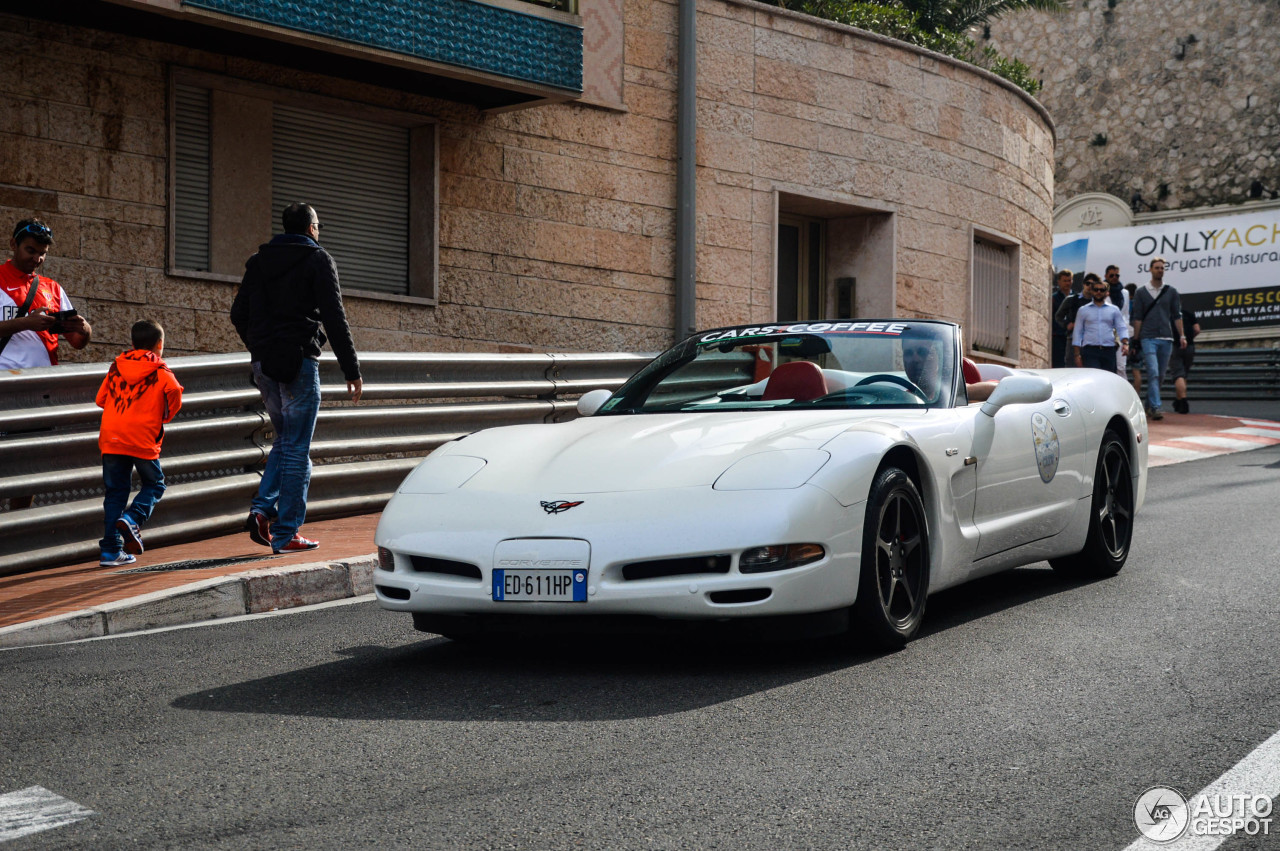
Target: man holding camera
{"x": 34, "y": 310}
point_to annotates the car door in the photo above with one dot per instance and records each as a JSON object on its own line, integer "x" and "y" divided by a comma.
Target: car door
{"x": 1030, "y": 474}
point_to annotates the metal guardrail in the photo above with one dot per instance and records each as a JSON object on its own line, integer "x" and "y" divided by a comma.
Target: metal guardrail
{"x": 215, "y": 448}
{"x": 1223, "y": 374}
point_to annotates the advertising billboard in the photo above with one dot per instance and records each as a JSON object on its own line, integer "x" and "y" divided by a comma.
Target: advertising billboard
{"x": 1226, "y": 268}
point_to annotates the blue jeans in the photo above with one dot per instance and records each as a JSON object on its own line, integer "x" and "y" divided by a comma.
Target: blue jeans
{"x": 1155, "y": 359}
{"x": 117, "y": 479}
{"x": 292, "y": 407}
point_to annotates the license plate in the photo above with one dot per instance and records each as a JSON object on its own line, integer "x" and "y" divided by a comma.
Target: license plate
{"x": 539, "y": 586}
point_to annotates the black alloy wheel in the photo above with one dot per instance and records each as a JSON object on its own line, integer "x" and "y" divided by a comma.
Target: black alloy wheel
{"x": 894, "y": 576}
{"x": 1110, "y": 515}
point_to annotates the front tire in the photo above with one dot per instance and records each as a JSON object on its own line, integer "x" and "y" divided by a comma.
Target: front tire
{"x": 1110, "y": 516}
{"x": 893, "y": 580}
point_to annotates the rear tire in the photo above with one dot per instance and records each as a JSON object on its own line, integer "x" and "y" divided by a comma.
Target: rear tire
{"x": 1110, "y": 516}
{"x": 893, "y": 580}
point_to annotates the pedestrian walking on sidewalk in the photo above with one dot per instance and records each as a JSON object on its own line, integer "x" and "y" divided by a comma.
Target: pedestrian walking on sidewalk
{"x": 1061, "y": 335}
{"x": 1118, "y": 295}
{"x": 1099, "y": 329}
{"x": 139, "y": 395}
{"x": 289, "y": 291}
{"x": 1180, "y": 363}
{"x": 1065, "y": 313}
{"x": 1157, "y": 325}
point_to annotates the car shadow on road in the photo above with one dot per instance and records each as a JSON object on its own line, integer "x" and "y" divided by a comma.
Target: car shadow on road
{"x": 991, "y": 594}
{"x": 528, "y": 681}
{"x": 583, "y": 680}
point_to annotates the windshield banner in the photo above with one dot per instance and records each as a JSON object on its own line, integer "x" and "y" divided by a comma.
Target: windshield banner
{"x": 1226, "y": 268}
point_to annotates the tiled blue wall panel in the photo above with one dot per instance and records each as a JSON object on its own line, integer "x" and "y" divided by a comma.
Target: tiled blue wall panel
{"x": 456, "y": 32}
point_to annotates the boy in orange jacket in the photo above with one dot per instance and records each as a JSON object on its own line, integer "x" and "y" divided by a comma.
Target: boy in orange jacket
{"x": 139, "y": 395}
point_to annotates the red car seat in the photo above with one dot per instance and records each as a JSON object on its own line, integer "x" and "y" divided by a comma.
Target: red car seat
{"x": 799, "y": 380}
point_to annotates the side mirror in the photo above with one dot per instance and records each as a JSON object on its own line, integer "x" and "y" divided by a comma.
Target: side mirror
{"x": 591, "y": 401}
{"x": 1018, "y": 390}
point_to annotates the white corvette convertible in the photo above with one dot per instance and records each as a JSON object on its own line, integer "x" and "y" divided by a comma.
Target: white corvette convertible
{"x": 831, "y": 469}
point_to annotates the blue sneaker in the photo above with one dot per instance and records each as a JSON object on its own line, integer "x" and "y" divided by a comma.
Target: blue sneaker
{"x": 116, "y": 559}
{"x": 131, "y": 534}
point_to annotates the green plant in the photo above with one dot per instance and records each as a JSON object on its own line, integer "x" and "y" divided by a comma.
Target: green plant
{"x": 958, "y": 15}
{"x": 936, "y": 25}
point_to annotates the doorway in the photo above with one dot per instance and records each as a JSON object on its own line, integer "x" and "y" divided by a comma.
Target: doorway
{"x": 802, "y": 286}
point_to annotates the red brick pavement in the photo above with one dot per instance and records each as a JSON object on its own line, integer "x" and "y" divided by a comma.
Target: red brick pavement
{"x": 60, "y": 590}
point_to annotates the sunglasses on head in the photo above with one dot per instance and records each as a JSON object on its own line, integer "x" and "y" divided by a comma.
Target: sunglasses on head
{"x": 40, "y": 232}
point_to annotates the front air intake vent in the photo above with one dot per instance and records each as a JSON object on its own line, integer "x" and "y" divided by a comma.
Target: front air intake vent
{"x": 676, "y": 567}
{"x": 428, "y": 564}
{"x": 742, "y": 595}
{"x": 393, "y": 593}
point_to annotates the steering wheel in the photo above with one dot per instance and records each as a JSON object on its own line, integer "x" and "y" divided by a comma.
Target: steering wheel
{"x": 893, "y": 379}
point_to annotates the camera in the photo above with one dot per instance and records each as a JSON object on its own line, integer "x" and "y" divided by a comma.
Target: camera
{"x": 59, "y": 316}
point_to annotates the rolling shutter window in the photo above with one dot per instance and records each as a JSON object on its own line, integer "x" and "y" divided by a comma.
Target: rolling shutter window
{"x": 355, "y": 173}
{"x": 995, "y": 291}
{"x": 191, "y": 178}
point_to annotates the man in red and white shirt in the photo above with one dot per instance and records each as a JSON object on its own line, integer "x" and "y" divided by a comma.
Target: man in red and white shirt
{"x": 34, "y": 340}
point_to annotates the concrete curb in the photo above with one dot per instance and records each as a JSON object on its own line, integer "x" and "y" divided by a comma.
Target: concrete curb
{"x": 248, "y": 593}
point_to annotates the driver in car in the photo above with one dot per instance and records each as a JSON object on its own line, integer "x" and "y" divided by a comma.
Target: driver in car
{"x": 922, "y": 362}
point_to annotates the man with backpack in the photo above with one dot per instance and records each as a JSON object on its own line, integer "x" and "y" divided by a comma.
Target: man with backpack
{"x": 1156, "y": 314}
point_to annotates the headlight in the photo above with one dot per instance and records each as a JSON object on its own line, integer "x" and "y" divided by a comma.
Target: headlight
{"x": 779, "y": 557}
{"x": 440, "y": 474}
{"x": 386, "y": 561}
{"x": 778, "y": 469}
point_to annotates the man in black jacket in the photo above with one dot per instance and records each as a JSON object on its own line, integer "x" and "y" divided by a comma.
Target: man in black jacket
{"x": 1061, "y": 293}
{"x": 290, "y": 289}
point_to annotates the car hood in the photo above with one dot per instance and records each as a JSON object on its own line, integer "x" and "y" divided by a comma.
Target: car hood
{"x": 643, "y": 451}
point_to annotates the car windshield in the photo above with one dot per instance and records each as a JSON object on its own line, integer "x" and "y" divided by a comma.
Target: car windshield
{"x": 818, "y": 365}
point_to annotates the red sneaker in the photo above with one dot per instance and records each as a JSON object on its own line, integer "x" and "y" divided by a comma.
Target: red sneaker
{"x": 259, "y": 528}
{"x": 297, "y": 544}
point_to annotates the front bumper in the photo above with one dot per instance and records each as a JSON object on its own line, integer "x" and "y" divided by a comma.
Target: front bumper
{"x": 621, "y": 529}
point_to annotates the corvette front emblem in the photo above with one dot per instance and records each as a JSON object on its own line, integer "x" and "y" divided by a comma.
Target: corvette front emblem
{"x": 559, "y": 505}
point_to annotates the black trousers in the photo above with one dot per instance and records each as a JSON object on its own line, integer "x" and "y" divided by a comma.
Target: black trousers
{"x": 1099, "y": 357}
{"x": 1059, "y": 351}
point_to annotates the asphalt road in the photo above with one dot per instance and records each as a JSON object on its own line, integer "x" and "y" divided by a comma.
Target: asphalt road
{"x": 1031, "y": 713}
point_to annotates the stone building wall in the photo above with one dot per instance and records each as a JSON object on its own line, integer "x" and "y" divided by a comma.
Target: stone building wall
{"x": 556, "y": 223}
{"x": 1183, "y": 91}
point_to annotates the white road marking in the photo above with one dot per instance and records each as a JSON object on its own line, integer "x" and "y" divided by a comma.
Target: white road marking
{"x": 1269, "y": 424}
{"x": 34, "y": 809}
{"x": 1177, "y": 453}
{"x": 1273, "y": 433}
{"x": 1256, "y": 774}
{"x": 1217, "y": 440}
